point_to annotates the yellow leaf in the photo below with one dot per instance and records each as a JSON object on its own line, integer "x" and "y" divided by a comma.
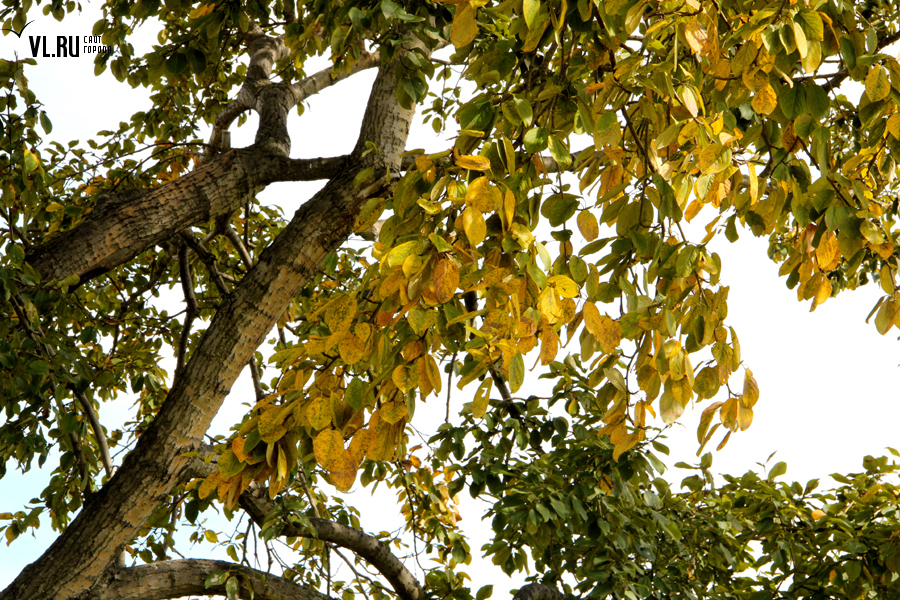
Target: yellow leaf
{"x": 823, "y": 291}
{"x": 475, "y": 227}
{"x": 53, "y": 207}
{"x": 404, "y": 378}
{"x": 754, "y": 183}
{"x": 351, "y": 348}
{"x": 765, "y": 100}
{"x": 343, "y": 472}
{"x": 564, "y": 286}
{"x": 818, "y": 514}
{"x": 271, "y": 424}
{"x": 549, "y": 346}
{"x": 434, "y": 373}
{"x": 696, "y": 35}
{"x": 319, "y": 413}
{"x": 714, "y": 158}
{"x": 692, "y": 210}
{"x": 202, "y": 11}
{"x": 473, "y": 163}
{"x": 446, "y": 279}
{"x": 751, "y": 389}
{"x": 483, "y": 196}
{"x": 893, "y": 125}
{"x": 359, "y": 445}
{"x": 607, "y": 331}
{"x": 509, "y": 206}
{"x": 283, "y": 467}
{"x": 465, "y": 27}
{"x": 328, "y": 447}
{"x": 209, "y": 484}
{"x": 878, "y": 84}
{"x": 828, "y": 253}
{"x": 340, "y": 314}
{"x": 587, "y": 224}
{"x": 482, "y": 395}
{"x": 237, "y": 446}
{"x": 393, "y": 411}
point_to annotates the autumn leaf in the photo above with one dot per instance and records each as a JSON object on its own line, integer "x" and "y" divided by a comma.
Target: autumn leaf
{"x": 607, "y": 331}
{"x": 474, "y": 225}
{"x": 328, "y": 447}
{"x": 878, "y": 84}
{"x": 473, "y": 163}
{"x": 587, "y": 224}
{"x": 446, "y": 279}
{"x": 765, "y": 100}
{"x": 343, "y": 471}
{"x": 464, "y": 27}
{"x": 482, "y": 395}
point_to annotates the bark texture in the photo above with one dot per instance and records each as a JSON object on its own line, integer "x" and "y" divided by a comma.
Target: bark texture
{"x": 537, "y": 591}
{"x": 85, "y": 553}
{"x": 180, "y": 578}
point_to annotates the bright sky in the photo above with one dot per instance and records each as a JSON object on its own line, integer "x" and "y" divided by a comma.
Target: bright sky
{"x": 827, "y": 380}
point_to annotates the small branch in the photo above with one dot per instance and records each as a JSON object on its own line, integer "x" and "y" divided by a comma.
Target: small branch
{"x": 235, "y": 240}
{"x": 327, "y": 77}
{"x": 257, "y": 380}
{"x": 193, "y": 309}
{"x": 257, "y": 504}
{"x": 207, "y": 258}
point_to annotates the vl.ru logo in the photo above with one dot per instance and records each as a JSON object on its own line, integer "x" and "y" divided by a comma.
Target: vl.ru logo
{"x": 67, "y": 46}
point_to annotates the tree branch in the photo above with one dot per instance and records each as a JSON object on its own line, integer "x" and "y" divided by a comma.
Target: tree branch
{"x": 179, "y": 578}
{"x": 537, "y": 591}
{"x": 255, "y": 501}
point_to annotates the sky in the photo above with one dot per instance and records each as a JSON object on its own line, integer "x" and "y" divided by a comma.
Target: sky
{"x": 828, "y": 393}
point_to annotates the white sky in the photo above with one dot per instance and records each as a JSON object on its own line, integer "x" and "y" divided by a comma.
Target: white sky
{"x": 827, "y": 380}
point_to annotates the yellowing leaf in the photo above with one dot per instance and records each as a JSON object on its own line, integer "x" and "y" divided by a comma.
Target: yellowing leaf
{"x": 446, "y": 279}
{"x": 393, "y": 411}
{"x": 271, "y": 424}
{"x": 328, "y": 447}
{"x": 765, "y": 100}
{"x": 587, "y": 224}
{"x": 482, "y": 395}
{"x": 564, "y": 286}
{"x": 530, "y": 9}
{"x": 237, "y": 446}
{"x": 465, "y": 27}
{"x": 209, "y": 484}
{"x": 715, "y": 158}
{"x": 516, "y": 372}
{"x": 878, "y": 84}
{"x": 359, "y": 445}
{"x": 473, "y": 163}
{"x": 607, "y": 331}
{"x": 229, "y": 465}
{"x": 340, "y": 314}
{"x": 53, "y": 207}
{"x": 201, "y": 11}
{"x": 483, "y": 196}
{"x": 549, "y": 346}
{"x": 404, "y": 378}
{"x": 696, "y": 35}
{"x": 819, "y": 514}
{"x": 343, "y": 471}
{"x": 474, "y": 225}
{"x": 319, "y": 413}
{"x": 351, "y": 348}
{"x": 751, "y": 389}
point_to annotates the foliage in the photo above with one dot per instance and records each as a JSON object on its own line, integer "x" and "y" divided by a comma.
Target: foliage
{"x": 604, "y": 126}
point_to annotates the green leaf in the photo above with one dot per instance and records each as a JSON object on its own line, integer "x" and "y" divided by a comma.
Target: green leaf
{"x": 792, "y": 100}
{"x": 536, "y": 140}
{"x": 530, "y": 10}
{"x": 177, "y": 63}
{"x": 516, "y": 373}
{"x": 607, "y": 130}
{"x": 523, "y": 109}
{"x": 215, "y": 578}
{"x": 559, "y": 208}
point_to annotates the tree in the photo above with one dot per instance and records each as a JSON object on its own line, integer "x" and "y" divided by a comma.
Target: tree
{"x": 656, "y": 111}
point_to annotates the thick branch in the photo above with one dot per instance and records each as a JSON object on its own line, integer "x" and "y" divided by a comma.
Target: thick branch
{"x": 180, "y": 578}
{"x": 113, "y": 235}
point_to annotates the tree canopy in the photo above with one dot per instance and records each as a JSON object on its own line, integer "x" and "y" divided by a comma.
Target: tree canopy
{"x": 546, "y": 235}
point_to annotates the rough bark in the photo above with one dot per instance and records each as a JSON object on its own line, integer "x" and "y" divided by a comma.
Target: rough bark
{"x": 87, "y": 550}
{"x": 180, "y": 578}
{"x": 127, "y": 225}
{"x": 257, "y": 504}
